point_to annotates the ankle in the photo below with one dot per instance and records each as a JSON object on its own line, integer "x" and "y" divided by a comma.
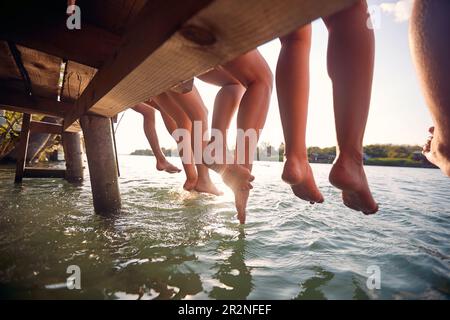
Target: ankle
{"x": 297, "y": 158}
{"x": 218, "y": 168}
{"x": 350, "y": 156}
{"x": 161, "y": 160}
{"x": 191, "y": 177}
{"x": 203, "y": 178}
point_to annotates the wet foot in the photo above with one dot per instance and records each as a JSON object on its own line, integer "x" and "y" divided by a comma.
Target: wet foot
{"x": 299, "y": 175}
{"x": 437, "y": 151}
{"x": 237, "y": 177}
{"x": 240, "y": 199}
{"x": 190, "y": 184}
{"x": 206, "y": 186}
{"x": 348, "y": 175}
{"x": 167, "y": 167}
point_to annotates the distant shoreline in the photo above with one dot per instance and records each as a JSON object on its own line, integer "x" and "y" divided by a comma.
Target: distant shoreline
{"x": 379, "y": 162}
{"x": 384, "y": 155}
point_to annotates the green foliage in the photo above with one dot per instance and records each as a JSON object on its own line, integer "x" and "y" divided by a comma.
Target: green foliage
{"x": 390, "y": 151}
{"x": 142, "y": 152}
{"x": 393, "y": 162}
{"x": 377, "y": 150}
{"x": 9, "y": 131}
{"x": 375, "y": 154}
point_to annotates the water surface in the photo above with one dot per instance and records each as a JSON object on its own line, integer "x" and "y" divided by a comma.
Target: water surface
{"x": 170, "y": 244}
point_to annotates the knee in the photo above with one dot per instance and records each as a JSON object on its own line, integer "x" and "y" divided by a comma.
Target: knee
{"x": 234, "y": 90}
{"x": 184, "y": 122}
{"x": 266, "y": 79}
{"x": 263, "y": 79}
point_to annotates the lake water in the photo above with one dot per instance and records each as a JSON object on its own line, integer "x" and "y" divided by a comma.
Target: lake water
{"x": 170, "y": 244}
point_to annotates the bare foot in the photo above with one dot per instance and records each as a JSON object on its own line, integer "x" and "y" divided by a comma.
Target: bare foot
{"x": 240, "y": 199}
{"x": 167, "y": 167}
{"x": 237, "y": 177}
{"x": 190, "y": 184}
{"x": 348, "y": 175}
{"x": 205, "y": 185}
{"x": 437, "y": 151}
{"x": 299, "y": 175}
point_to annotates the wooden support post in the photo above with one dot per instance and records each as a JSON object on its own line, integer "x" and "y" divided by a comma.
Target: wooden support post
{"x": 23, "y": 147}
{"x": 102, "y": 165}
{"x": 73, "y": 156}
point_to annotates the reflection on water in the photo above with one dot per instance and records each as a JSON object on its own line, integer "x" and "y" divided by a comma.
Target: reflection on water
{"x": 235, "y": 277}
{"x": 170, "y": 244}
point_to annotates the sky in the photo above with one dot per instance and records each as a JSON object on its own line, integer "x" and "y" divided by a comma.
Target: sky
{"x": 398, "y": 113}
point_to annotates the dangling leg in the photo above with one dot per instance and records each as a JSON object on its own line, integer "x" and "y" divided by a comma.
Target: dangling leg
{"x": 193, "y": 105}
{"x": 226, "y": 102}
{"x": 170, "y": 109}
{"x": 292, "y": 79}
{"x": 431, "y": 51}
{"x": 150, "y": 132}
{"x": 253, "y": 72}
{"x": 350, "y": 66}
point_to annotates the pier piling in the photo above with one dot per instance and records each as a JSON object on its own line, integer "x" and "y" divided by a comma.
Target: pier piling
{"x": 73, "y": 156}
{"x": 102, "y": 165}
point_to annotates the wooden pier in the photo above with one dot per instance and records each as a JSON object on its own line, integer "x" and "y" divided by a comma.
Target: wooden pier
{"x": 125, "y": 52}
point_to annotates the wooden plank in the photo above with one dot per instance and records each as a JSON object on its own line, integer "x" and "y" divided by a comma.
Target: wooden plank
{"x": 17, "y": 101}
{"x": 76, "y": 80}
{"x": 43, "y": 70}
{"x": 114, "y": 17}
{"x": 41, "y": 25}
{"x": 90, "y": 46}
{"x": 215, "y": 35}
{"x": 9, "y": 73}
{"x": 45, "y": 127}
{"x": 23, "y": 147}
{"x": 157, "y": 21}
{"x": 74, "y": 127}
{"x": 44, "y": 173}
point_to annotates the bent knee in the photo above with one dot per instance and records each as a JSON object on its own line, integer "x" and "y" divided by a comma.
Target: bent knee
{"x": 266, "y": 79}
{"x": 263, "y": 79}
{"x": 235, "y": 90}
{"x": 184, "y": 123}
